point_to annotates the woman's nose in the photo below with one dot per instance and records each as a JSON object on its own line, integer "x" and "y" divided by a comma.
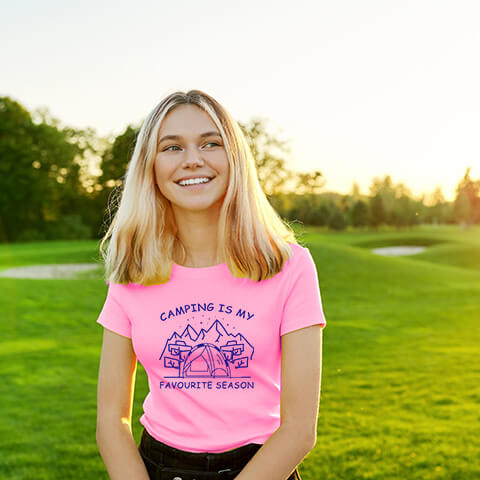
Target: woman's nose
{"x": 193, "y": 157}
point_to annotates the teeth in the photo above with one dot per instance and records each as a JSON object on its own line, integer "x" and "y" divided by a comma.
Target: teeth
{"x": 194, "y": 181}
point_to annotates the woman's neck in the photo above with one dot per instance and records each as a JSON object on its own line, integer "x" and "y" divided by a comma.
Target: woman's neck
{"x": 198, "y": 260}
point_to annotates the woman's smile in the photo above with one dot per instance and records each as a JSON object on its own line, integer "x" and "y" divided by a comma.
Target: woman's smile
{"x": 195, "y": 186}
{"x": 194, "y": 182}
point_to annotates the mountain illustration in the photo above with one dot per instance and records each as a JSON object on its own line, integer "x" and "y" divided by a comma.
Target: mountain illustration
{"x": 209, "y": 353}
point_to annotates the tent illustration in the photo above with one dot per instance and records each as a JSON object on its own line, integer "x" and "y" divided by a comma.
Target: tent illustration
{"x": 205, "y": 360}
{"x": 210, "y": 353}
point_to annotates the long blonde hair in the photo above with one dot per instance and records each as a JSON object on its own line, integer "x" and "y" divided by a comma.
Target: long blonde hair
{"x": 252, "y": 237}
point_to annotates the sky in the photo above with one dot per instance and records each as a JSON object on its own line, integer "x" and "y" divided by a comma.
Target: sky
{"x": 358, "y": 89}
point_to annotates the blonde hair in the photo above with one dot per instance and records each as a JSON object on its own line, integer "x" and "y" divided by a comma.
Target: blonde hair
{"x": 252, "y": 237}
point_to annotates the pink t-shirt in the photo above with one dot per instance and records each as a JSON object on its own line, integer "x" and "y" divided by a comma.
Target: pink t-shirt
{"x": 210, "y": 344}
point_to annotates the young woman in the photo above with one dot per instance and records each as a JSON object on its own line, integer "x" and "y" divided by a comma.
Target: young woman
{"x": 209, "y": 290}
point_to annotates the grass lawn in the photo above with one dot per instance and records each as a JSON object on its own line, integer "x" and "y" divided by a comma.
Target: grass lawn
{"x": 400, "y": 383}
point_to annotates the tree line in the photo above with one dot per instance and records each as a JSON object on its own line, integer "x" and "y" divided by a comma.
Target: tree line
{"x": 57, "y": 181}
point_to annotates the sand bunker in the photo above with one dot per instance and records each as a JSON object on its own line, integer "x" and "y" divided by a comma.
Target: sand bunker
{"x": 66, "y": 270}
{"x": 397, "y": 251}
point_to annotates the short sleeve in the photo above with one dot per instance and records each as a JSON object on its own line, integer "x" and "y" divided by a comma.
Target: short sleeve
{"x": 113, "y": 316}
{"x": 303, "y": 305}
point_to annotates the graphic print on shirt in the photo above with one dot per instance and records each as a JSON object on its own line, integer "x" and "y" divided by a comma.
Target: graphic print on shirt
{"x": 211, "y": 353}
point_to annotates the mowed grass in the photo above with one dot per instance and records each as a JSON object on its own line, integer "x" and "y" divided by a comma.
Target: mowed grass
{"x": 400, "y": 382}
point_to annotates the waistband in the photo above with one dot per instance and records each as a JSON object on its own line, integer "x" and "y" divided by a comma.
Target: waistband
{"x": 162, "y": 453}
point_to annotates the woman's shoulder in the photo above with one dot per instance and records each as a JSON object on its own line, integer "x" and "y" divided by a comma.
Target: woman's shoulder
{"x": 124, "y": 287}
{"x": 299, "y": 256}
{"x": 298, "y": 251}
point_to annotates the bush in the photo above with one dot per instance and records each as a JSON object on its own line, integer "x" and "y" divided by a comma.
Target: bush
{"x": 68, "y": 227}
{"x": 31, "y": 235}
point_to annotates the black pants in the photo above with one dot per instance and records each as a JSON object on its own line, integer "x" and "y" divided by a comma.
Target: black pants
{"x": 164, "y": 462}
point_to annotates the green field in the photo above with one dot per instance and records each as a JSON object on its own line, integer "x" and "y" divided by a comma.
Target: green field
{"x": 400, "y": 385}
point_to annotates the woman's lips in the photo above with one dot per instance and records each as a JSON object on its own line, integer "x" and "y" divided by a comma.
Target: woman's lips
{"x": 195, "y": 185}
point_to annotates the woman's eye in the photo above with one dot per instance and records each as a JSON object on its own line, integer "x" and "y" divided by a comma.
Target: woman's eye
{"x": 175, "y": 146}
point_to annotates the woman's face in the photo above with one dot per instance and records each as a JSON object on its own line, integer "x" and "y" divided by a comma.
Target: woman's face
{"x": 193, "y": 156}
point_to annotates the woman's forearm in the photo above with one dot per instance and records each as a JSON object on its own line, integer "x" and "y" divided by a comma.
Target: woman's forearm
{"x": 120, "y": 453}
{"x": 278, "y": 457}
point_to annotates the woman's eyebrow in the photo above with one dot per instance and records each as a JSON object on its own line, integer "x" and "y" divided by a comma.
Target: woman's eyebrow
{"x": 178, "y": 137}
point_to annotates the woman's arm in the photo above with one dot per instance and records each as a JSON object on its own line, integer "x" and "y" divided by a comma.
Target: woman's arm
{"x": 301, "y": 376}
{"x": 116, "y": 384}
